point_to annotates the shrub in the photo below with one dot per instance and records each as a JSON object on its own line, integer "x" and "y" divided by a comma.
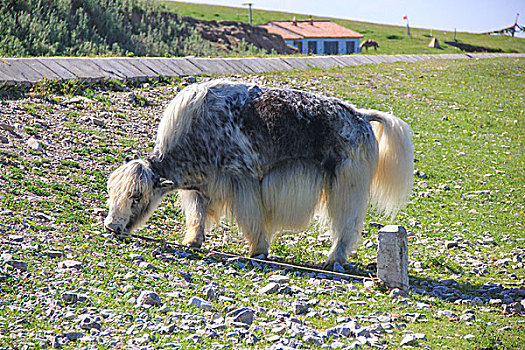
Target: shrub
{"x": 95, "y": 27}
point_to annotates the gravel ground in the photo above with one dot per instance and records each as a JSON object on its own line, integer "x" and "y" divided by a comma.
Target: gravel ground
{"x": 66, "y": 283}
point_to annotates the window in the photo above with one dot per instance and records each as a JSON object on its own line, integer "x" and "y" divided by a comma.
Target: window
{"x": 331, "y": 47}
{"x": 350, "y": 47}
{"x": 299, "y": 45}
{"x": 312, "y": 47}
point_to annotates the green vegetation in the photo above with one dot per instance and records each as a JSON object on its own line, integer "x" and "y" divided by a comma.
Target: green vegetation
{"x": 95, "y": 27}
{"x": 392, "y": 39}
{"x": 468, "y": 121}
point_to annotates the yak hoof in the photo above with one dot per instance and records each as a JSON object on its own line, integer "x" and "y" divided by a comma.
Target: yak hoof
{"x": 192, "y": 244}
{"x": 339, "y": 266}
{"x": 261, "y": 256}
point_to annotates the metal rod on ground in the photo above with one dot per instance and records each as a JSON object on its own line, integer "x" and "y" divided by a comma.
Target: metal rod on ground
{"x": 261, "y": 261}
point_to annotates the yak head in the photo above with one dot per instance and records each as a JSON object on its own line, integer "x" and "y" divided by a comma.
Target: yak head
{"x": 134, "y": 193}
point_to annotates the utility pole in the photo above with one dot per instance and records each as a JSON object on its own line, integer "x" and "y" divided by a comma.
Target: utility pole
{"x": 249, "y": 4}
{"x": 408, "y": 26}
{"x": 515, "y": 24}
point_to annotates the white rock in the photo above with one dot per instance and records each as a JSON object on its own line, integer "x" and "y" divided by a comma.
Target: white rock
{"x": 270, "y": 288}
{"x": 148, "y": 297}
{"x": 34, "y": 144}
{"x": 200, "y": 303}
{"x": 18, "y": 264}
{"x": 244, "y": 315}
{"x": 409, "y": 339}
{"x": 300, "y": 307}
{"x": 70, "y": 264}
{"x": 279, "y": 279}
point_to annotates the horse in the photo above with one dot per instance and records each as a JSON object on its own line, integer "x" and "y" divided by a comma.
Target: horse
{"x": 368, "y": 43}
{"x": 270, "y": 159}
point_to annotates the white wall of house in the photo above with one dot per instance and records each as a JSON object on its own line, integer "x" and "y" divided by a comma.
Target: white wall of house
{"x": 324, "y": 44}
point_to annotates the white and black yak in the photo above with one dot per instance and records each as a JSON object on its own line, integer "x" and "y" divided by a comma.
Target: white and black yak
{"x": 270, "y": 159}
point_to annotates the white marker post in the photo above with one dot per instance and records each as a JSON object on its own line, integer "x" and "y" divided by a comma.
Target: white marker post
{"x": 392, "y": 257}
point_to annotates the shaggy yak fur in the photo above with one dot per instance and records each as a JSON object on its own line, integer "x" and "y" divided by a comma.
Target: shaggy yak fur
{"x": 270, "y": 159}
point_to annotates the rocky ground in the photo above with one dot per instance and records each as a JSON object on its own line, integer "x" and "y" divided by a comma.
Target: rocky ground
{"x": 65, "y": 283}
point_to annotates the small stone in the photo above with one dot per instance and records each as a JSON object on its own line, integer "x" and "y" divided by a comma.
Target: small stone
{"x": 467, "y": 317}
{"x": 273, "y": 338}
{"x": 213, "y": 291}
{"x": 396, "y": 293}
{"x": 279, "y": 279}
{"x": 422, "y": 184}
{"x": 200, "y": 303}
{"x": 7, "y": 127}
{"x": 55, "y": 342}
{"x": 165, "y": 309}
{"x": 279, "y": 329}
{"x": 53, "y": 253}
{"x": 244, "y": 315}
{"x": 6, "y": 256}
{"x": 147, "y": 266}
{"x": 148, "y": 297}
{"x": 98, "y": 122}
{"x": 311, "y": 339}
{"x": 34, "y": 144}
{"x": 135, "y": 257}
{"x": 337, "y": 345}
{"x": 88, "y": 322}
{"x": 451, "y": 244}
{"x": 409, "y": 339}
{"x": 73, "y": 336}
{"x": 469, "y": 336}
{"x": 368, "y": 284}
{"x": 43, "y": 217}
{"x": 270, "y": 288}
{"x": 477, "y": 301}
{"x": 70, "y": 264}
{"x": 18, "y": 264}
{"x": 300, "y": 307}
{"x": 514, "y": 308}
{"x": 446, "y": 313}
{"x": 16, "y": 238}
{"x": 70, "y": 297}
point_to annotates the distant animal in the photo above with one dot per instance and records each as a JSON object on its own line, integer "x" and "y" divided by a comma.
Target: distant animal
{"x": 269, "y": 158}
{"x": 369, "y": 43}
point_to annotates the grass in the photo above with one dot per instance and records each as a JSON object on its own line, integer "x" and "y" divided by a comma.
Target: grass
{"x": 392, "y": 39}
{"x": 468, "y": 122}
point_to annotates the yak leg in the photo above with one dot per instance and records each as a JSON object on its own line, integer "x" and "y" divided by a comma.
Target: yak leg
{"x": 346, "y": 209}
{"x": 195, "y": 206}
{"x": 249, "y": 213}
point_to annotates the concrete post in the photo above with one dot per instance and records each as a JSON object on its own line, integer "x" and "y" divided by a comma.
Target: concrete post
{"x": 392, "y": 257}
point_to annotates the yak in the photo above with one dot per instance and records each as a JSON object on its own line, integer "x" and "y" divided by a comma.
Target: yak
{"x": 270, "y": 159}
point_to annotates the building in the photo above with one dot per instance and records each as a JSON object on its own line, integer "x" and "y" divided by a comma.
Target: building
{"x": 317, "y": 37}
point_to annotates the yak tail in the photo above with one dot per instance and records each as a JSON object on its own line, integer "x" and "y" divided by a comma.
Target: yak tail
{"x": 392, "y": 183}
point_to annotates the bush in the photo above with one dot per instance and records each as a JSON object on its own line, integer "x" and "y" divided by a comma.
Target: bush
{"x": 95, "y": 27}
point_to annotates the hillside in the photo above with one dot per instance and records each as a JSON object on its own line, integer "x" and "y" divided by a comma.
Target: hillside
{"x": 120, "y": 28}
{"x": 392, "y": 39}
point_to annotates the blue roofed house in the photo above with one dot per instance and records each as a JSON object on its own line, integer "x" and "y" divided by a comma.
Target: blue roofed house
{"x": 317, "y": 37}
